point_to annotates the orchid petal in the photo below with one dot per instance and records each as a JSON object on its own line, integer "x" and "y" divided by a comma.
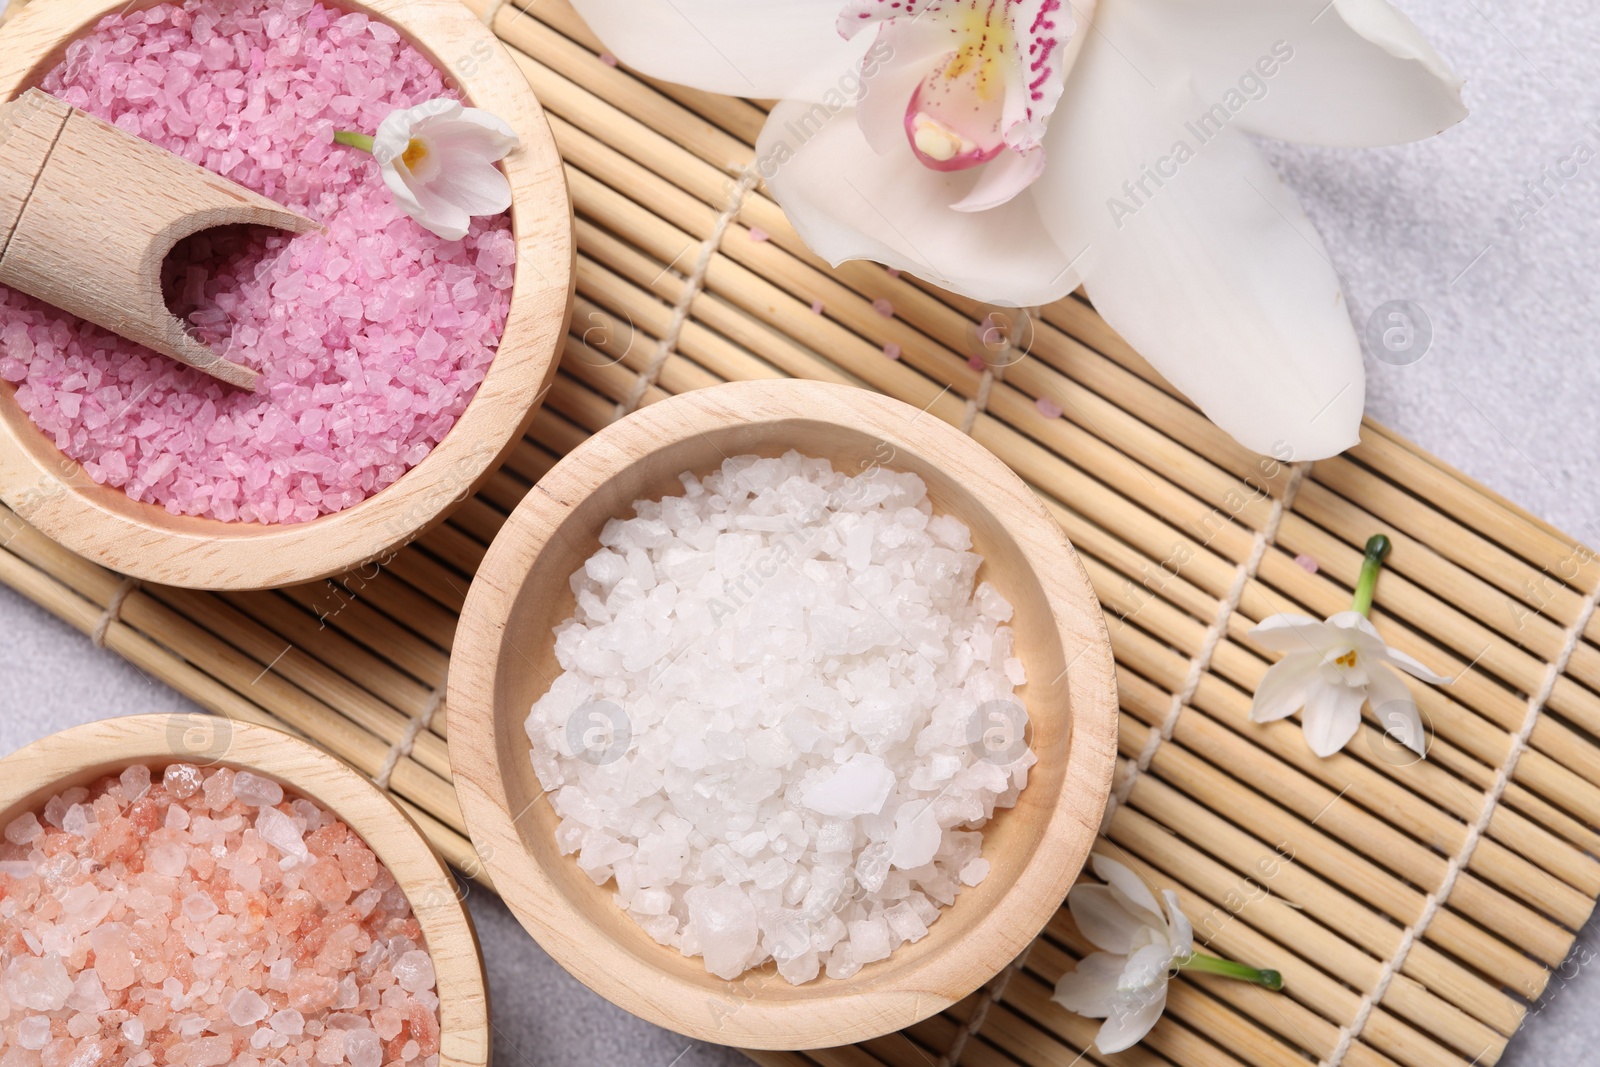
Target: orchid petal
{"x": 1090, "y": 989}
{"x": 1131, "y": 1018}
{"x": 1396, "y": 711}
{"x": 1350, "y": 73}
{"x": 1001, "y": 179}
{"x": 913, "y": 47}
{"x": 1134, "y": 893}
{"x": 848, "y": 202}
{"x": 1294, "y": 633}
{"x": 1199, "y": 255}
{"x": 777, "y": 48}
{"x": 1102, "y": 919}
{"x": 1332, "y": 716}
{"x": 1282, "y": 691}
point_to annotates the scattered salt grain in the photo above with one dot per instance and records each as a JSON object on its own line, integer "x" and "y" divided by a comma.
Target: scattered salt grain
{"x": 816, "y": 307}
{"x": 1048, "y": 408}
{"x": 801, "y": 672}
{"x": 608, "y": 59}
{"x": 1307, "y": 563}
{"x": 758, "y": 234}
{"x": 883, "y": 307}
{"x": 891, "y": 350}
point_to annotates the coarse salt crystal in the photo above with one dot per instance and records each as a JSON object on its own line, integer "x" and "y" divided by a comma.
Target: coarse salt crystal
{"x": 256, "y": 791}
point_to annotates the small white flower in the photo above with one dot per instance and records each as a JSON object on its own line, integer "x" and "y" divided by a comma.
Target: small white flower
{"x": 1126, "y": 983}
{"x": 1330, "y": 669}
{"x": 438, "y": 159}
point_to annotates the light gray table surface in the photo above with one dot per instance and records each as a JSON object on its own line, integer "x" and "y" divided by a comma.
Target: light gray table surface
{"x": 1507, "y": 392}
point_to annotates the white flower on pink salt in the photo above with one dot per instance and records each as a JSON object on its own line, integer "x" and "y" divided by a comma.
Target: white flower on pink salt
{"x": 438, "y": 159}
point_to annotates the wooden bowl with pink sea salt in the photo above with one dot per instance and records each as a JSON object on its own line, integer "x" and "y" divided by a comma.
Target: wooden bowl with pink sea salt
{"x": 193, "y": 891}
{"x": 397, "y": 368}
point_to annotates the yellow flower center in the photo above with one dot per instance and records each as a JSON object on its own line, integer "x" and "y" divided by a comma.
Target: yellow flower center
{"x": 416, "y": 151}
{"x": 986, "y": 43}
{"x": 1347, "y": 660}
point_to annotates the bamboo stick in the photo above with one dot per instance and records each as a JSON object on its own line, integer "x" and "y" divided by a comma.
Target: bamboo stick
{"x": 361, "y": 621}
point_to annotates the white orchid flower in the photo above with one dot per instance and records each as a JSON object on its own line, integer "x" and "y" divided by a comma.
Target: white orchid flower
{"x": 1332, "y": 668}
{"x": 1141, "y": 948}
{"x": 438, "y": 159}
{"x": 1011, "y": 150}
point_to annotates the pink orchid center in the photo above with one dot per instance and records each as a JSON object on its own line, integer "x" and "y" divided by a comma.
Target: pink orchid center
{"x": 954, "y": 117}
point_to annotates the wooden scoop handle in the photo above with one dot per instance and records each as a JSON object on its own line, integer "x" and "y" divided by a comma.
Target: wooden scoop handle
{"x": 88, "y": 213}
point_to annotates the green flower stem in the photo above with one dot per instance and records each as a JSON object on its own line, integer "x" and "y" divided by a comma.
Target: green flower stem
{"x": 352, "y": 139}
{"x": 1199, "y": 961}
{"x": 1377, "y": 551}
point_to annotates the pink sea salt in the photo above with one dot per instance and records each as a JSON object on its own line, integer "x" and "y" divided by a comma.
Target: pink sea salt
{"x": 104, "y": 959}
{"x": 371, "y": 336}
{"x": 1048, "y": 408}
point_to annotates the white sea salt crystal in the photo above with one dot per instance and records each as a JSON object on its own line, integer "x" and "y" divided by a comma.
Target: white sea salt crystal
{"x": 166, "y": 860}
{"x": 247, "y": 1007}
{"x": 23, "y": 829}
{"x": 198, "y": 907}
{"x": 280, "y": 831}
{"x": 256, "y": 791}
{"x": 859, "y": 787}
{"x": 34, "y": 1032}
{"x": 135, "y": 781}
{"x": 974, "y": 871}
{"x": 806, "y": 677}
{"x": 288, "y": 1021}
{"x": 414, "y": 971}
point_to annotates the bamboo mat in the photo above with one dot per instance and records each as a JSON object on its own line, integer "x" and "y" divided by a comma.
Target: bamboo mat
{"x": 1415, "y": 909}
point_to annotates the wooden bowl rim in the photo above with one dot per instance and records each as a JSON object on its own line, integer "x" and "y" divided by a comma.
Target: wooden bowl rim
{"x": 725, "y": 1016}
{"x": 52, "y": 492}
{"x": 83, "y": 753}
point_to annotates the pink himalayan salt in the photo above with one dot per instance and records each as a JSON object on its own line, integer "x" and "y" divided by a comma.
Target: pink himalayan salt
{"x": 232, "y": 960}
{"x": 758, "y": 235}
{"x": 1048, "y": 408}
{"x": 371, "y": 336}
{"x": 883, "y": 307}
{"x": 976, "y": 362}
{"x": 891, "y": 350}
{"x": 1307, "y": 563}
{"x": 816, "y": 307}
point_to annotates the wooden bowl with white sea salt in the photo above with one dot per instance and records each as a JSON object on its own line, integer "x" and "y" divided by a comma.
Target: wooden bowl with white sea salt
{"x": 189, "y": 889}
{"x": 396, "y": 367}
{"x": 783, "y": 714}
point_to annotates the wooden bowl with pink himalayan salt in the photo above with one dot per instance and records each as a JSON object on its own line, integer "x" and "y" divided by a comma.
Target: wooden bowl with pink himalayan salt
{"x": 194, "y": 891}
{"x": 396, "y": 368}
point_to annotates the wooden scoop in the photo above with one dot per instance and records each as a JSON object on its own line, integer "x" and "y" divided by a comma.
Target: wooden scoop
{"x": 88, "y": 213}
